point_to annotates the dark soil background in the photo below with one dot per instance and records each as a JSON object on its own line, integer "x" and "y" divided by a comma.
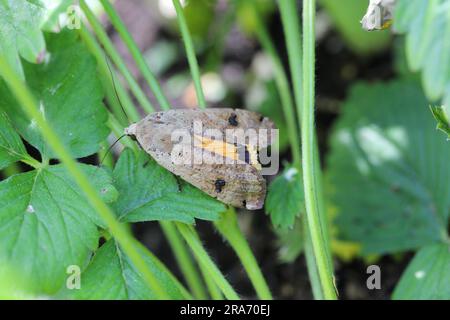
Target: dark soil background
{"x": 336, "y": 70}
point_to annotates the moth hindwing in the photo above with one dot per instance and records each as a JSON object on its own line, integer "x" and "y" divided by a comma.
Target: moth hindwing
{"x": 216, "y": 150}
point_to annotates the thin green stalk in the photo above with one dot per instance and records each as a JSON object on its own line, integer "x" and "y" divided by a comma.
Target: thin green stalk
{"x": 184, "y": 260}
{"x": 229, "y": 228}
{"x": 282, "y": 84}
{"x": 126, "y": 241}
{"x": 291, "y": 25}
{"x": 202, "y": 256}
{"x": 310, "y": 168}
{"x": 106, "y": 78}
{"x": 118, "y": 61}
{"x": 137, "y": 55}
{"x": 190, "y": 52}
{"x": 213, "y": 289}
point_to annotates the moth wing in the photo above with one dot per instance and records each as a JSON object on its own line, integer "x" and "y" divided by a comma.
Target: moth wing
{"x": 160, "y": 132}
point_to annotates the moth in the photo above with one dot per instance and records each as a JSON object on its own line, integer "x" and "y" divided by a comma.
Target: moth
{"x": 233, "y": 172}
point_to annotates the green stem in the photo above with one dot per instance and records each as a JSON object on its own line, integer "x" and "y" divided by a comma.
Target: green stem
{"x": 126, "y": 241}
{"x": 282, "y": 84}
{"x": 190, "y": 52}
{"x": 310, "y": 167}
{"x": 229, "y": 228}
{"x": 213, "y": 289}
{"x": 184, "y": 260}
{"x": 137, "y": 55}
{"x": 106, "y": 78}
{"x": 118, "y": 61}
{"x": 291, "y": 25}
{"x": 203, "y": 258}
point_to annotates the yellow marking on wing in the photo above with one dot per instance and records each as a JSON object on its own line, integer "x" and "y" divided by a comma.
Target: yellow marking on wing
{"x": 228, "y": 150}
{"x": 222, "y": 148}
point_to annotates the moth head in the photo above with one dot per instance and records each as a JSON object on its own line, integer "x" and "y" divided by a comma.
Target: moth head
{"x": 131, "y": 131}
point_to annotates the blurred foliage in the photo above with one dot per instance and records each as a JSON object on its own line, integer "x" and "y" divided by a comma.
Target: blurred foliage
{"x": 199, "y": 16}
{"x": 245, "y": 13}
{"x": 384, "y": 149}
{"x": 346, "y": 15}
{"x": 427, "y": 28}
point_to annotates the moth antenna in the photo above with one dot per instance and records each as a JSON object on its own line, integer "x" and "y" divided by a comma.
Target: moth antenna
{"x": 115, "y": 88}
{"x": 106, "y": 153}
{"x": 110, "y": 148}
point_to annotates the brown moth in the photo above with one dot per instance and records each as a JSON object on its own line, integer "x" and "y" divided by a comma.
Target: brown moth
{"x": 240, "y": 184}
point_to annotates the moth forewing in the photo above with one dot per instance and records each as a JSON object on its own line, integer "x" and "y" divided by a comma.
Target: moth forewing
{"x": 197, "y": 146}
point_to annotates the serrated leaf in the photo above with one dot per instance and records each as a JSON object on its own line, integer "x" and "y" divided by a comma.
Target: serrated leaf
{"x": 46, "y": 224}
{"x": 388, "y": 170}
{"x": 443, "y": 120}
{"x": 11, "y": 146}
{"x": 150, "y": 192}
{"x": 285, "y": 198}
{"x": 427, "y": 27}
{"x": 427, "y": 276}
{"x": 20, "y": 34}
{"x": 69, "y": 95}
{"x": 112, "y": 276}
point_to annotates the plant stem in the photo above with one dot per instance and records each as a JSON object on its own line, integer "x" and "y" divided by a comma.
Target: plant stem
{"x": 282, "y": 84}
{"x": 184, "y": 260}
{"x": 190, "y": 52}
{"x": 202, "y": 256}
{"x": 137, "y": 55}
{"x": 310, "y": 167}
{"x": 122, "y": 97}
{"x": 117, "y": 59}
{"x": 291, "y": 25}
{"x": 213, "y": 289}
{"x": 126, "y": 241}
{"x": 229, "y": 228}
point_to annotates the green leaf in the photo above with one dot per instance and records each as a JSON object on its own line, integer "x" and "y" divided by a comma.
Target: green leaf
{"x": 69, "y": 95}
{"x": 20, "y": 33}
{"x": 150, "y": 192}
{"x": 443, "y": 119}
{"x": 46, "y": 224}
{"x": 427, "y": 27}
{"x": 285, "y": 198}
{"x": 427, "y": 276}
{"x": 112, "y": 276}
{"x": 11, "y": 146}
{"x": 290, "y": 242}
{"x": 389, "y": 171}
